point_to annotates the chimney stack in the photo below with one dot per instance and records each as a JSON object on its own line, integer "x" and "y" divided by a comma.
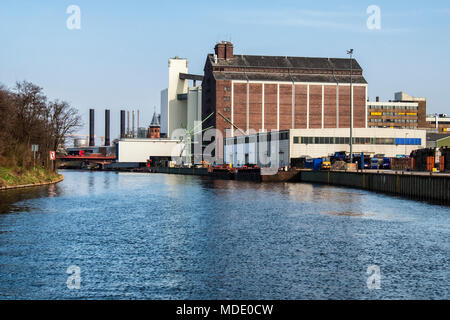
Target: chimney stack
{"x": 91, "y": 128}
{"x": 228, "y": 50}
{"x": 224, "y": 50}
{"x": 128, "y": 123}
{"x": 132, "y": 131}
{"x": 122, "y": 123}
{"x": 219, "y": 49}
{"x": 107, "y": 129}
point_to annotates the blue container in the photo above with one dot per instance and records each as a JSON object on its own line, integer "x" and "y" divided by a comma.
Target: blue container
{"x": 317, "y": 164}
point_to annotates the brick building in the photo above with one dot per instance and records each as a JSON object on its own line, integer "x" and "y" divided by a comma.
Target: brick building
{"x": 264, "y": 93}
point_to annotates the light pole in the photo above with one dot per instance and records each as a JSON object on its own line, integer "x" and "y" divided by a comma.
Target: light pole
{"x": 406, "y": 138}
{"x": 350, "y": 52}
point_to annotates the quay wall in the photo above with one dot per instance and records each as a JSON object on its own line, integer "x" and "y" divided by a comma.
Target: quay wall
{"x": 424, "y": 187}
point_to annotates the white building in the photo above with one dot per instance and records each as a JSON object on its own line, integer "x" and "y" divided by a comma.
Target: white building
{"x": 317, "y": 143}
{"x": 140, "y": 150}
{"x": 180, "y": 104}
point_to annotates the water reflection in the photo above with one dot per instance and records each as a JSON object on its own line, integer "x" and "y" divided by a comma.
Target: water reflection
{"x": 162, "y": 236}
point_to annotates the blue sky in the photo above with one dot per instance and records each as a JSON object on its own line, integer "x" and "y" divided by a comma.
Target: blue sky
{"x": 118, "y": 59}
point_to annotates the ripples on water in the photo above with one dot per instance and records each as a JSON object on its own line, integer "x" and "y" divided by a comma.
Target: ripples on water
{"x": 155, "y": 236}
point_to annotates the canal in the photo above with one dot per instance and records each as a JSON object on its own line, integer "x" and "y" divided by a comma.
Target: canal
{"x": 157, "y": 236}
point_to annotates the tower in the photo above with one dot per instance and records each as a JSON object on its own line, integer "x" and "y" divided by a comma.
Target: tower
{"x": 154, "y": 128}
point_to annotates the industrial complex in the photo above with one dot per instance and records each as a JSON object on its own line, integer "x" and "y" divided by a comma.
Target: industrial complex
{"x": 296, "y": 107}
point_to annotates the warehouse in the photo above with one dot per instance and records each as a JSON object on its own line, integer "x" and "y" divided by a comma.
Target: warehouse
{"x": 264, "y": 93}
{"x": 295, "y": 143}
{"x": 140, "y": 150}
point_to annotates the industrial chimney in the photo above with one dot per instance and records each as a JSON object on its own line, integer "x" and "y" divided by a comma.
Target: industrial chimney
{"x": 91, "y": 128}
{"x": 132, "y": 131}
{"x": 107, "y": 128}
{"x": 128, "y": 123}
{"x": 122, "y": 123}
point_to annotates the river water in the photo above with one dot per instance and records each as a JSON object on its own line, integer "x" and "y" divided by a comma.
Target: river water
{"x": 156, "y": 236}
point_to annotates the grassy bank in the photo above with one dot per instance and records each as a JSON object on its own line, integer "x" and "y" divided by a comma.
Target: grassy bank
{"x": 18, "y": 176}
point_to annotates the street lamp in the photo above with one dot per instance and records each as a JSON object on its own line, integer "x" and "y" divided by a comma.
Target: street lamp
{"x": 406, "y": 138}
{"x": 350, "y": 52}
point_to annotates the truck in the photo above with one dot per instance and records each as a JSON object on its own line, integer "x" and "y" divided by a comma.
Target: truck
{"x": 386, "y": 164}
{"x": 375, "y": 163}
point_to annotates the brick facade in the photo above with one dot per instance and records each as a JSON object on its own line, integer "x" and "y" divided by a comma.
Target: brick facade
{"x": 280, "y": 93}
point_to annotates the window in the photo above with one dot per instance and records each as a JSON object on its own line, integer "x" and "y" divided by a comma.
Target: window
{"x": 296, "y": 140}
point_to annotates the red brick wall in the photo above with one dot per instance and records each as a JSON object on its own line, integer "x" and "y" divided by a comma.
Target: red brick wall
{"x": 359, "y": 107}
{"x": 240, "y": 106}
{"x": 315, "y": 106}
{"x": 301, "y": 101}
{"x": 255, "y": 107}
{"x": 330, "y": 107}
{"x": 270, "y": 107}
{"x": 344, "y": 107}
{"x": 285, "y": 106}
{"x": 223, "y": 104}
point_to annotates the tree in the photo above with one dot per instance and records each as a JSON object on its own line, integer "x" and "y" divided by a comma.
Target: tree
{"x": 27, "y": 117}
{"x": 63, "y": 120}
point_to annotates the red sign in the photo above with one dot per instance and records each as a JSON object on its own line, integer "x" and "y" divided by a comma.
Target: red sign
{"x": 52, "y": 155}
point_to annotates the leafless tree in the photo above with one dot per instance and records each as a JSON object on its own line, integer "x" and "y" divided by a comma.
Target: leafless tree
{"x": 27, "y": 117}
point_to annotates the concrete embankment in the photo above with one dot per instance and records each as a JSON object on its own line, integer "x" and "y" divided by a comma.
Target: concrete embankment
{"x": 417, "y": 186}
{"x": 184, "y": 171}
{"x": 32, "y": 184}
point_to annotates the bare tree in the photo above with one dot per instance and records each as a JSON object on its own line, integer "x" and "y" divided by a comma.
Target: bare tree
{"x": 63, "y": 120}
{"x": 27, "y": 117}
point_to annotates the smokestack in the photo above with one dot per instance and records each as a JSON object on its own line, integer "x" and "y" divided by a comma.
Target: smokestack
{"x": 122, "y": 123}
{"x": 138, "y": 121}
{"x": 132, "y": 133}
{"x": 91, "y": 128}
{"x": 128, "y": 123}
{"x": 107, "y": 119}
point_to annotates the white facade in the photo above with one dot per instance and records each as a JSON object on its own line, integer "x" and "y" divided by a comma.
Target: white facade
{"x": 318, "y": 143}
{"x": 164, "y": 112}
{"x": 194, "y": 106}
{"x": 178, "y": 112}
{"x": 243, "y": 150}
{"x": 139, "y": 150}
{"x": 369, "y": 141}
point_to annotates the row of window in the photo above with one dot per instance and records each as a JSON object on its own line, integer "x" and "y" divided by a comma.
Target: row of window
{"x": 393, "y": 107}
{"x": 346, "y": 140}
{"x": 393, "y": 114}
{"x": 283, "y": 135}
{"x": 392, "y": 127}
{"x": 394, "y": 120}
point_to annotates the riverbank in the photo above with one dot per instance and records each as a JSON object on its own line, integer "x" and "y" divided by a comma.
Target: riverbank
{"x": 11, "y": 178}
